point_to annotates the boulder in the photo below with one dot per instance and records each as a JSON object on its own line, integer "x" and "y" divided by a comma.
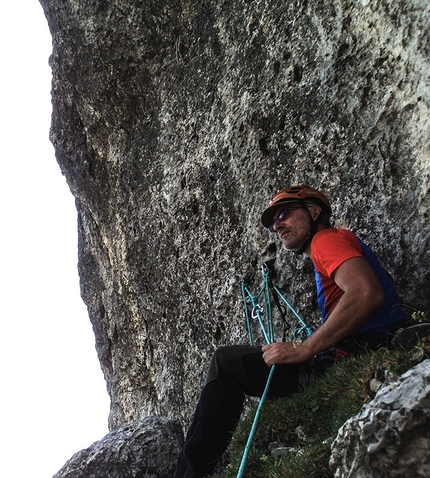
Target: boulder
{"x": 390, "y": 437}
{"x": 144, "y": 449}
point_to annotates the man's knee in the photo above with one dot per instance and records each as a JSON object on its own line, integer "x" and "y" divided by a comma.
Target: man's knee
{"x": 228, "y": 358}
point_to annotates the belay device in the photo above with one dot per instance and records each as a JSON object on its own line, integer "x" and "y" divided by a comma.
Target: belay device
{"x": 254, "y": 310}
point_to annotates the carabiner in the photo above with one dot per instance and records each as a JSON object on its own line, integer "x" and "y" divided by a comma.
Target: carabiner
{"x": 255, "y": 310}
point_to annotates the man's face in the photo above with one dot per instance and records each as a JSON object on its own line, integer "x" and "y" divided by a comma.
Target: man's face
{"x": 293, "y": 225}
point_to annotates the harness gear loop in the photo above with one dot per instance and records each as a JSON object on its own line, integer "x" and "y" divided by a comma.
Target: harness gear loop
{"x": 340, "y": 354}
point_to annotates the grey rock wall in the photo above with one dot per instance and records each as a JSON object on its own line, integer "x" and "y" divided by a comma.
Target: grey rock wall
{"x": 174, "y": 121}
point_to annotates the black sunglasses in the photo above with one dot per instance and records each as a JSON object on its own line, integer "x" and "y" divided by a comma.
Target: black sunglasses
{"x": 283, "y": 214}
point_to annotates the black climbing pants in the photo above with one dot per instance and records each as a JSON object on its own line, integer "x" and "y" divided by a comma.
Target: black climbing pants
{"x": 235, "y": 371}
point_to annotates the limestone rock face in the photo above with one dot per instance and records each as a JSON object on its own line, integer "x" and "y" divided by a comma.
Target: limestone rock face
{"x": 391, "y": 435}
{"x": 175, "y": 120}
{"x": 148, "y": 448}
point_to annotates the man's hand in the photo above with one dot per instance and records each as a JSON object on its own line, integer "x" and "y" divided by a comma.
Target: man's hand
{"x": 285, "y": 353}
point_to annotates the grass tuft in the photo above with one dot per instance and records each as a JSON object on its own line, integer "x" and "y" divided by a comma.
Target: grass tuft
{"x": 294, "y": 434}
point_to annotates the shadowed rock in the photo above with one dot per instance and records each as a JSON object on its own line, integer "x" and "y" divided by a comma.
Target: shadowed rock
{"x": 144, "y": 449}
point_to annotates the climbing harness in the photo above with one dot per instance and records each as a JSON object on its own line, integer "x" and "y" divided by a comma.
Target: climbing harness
{"x": 254, "y": 310}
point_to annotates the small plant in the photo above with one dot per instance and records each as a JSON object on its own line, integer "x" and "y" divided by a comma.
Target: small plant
{"x": 422, "y": 350}
{"x": 419, "y": 316}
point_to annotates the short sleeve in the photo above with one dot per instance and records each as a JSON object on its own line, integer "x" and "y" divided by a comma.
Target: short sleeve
{"x": 332, "y": 247}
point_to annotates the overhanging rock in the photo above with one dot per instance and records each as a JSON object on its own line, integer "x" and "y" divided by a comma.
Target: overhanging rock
{"x": 175, "y": 120}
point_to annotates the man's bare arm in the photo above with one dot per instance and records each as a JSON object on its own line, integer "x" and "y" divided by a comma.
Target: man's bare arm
{"x": 362, "y": 296}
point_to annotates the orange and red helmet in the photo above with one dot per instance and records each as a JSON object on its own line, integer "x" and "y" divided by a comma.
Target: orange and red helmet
{"x": 294, "y": 194}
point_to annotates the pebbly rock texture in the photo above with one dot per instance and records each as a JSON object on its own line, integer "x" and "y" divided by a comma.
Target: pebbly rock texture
{"x": 175, "y": 120}
{"x": 144, "y": 449}
{"x": 391, "y": 435}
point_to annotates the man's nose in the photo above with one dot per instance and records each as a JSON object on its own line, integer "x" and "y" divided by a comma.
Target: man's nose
{"x": 276, "y": 224}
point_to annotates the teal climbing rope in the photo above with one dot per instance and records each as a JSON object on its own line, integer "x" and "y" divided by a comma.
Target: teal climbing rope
{"x": 254, "y": 310}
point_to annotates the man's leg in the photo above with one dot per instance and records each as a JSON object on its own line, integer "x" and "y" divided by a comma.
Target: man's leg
{"x": 234, "y": 371}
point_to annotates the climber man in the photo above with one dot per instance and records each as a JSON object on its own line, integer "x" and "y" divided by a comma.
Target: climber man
{"x": 360, "y": 309}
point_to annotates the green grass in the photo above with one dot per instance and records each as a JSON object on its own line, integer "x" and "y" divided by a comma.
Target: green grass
{"x": 308, "y": 422}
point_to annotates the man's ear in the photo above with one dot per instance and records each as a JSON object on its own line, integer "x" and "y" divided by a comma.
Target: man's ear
{"x": 315, "y": 211}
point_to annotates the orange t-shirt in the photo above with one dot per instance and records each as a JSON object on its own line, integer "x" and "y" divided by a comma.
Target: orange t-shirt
{"x": 331, "y": 248}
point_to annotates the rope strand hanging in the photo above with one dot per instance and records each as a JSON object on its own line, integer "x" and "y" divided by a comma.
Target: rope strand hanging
{"x": 266, "y": 325}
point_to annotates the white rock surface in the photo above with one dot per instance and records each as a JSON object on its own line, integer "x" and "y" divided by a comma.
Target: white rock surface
{"x": 390, "y": 437}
